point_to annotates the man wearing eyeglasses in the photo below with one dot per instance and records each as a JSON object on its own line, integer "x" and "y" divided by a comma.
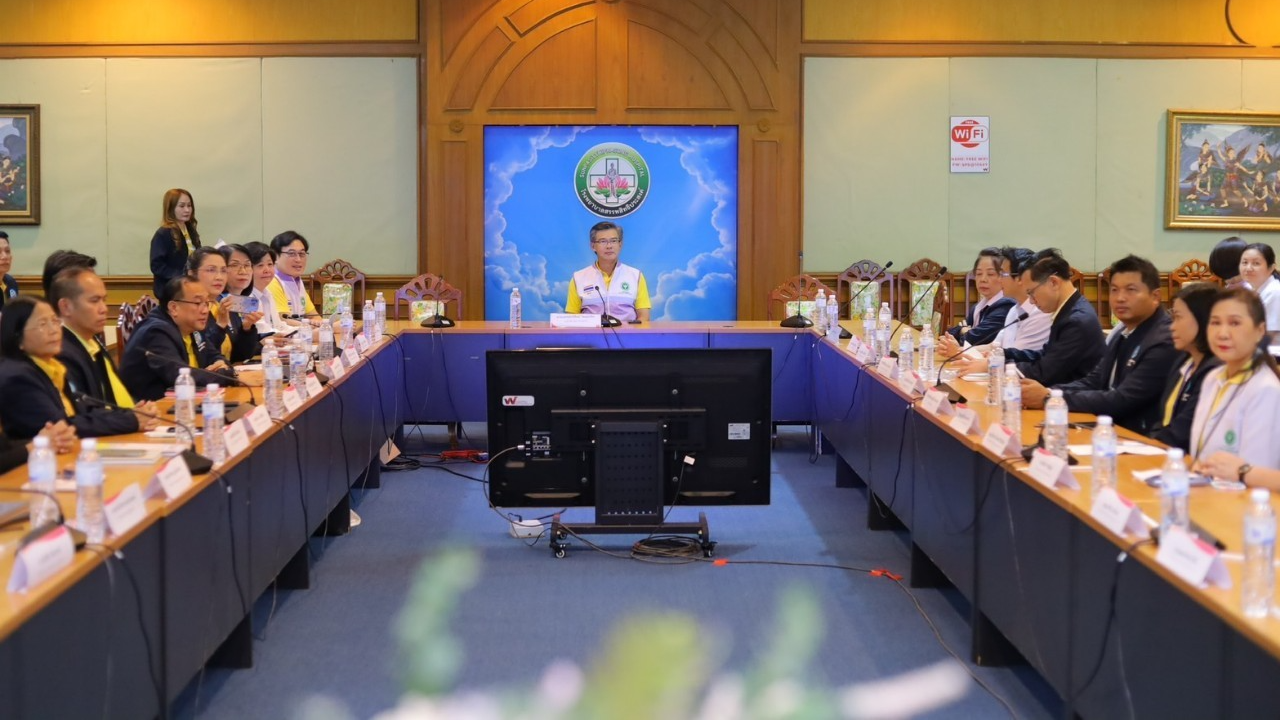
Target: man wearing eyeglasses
{"x": 288, "y": 289}
{"x": 1076, "y": 342}
{"x": 169, "y": 339}
{"x": 607, "y": 286}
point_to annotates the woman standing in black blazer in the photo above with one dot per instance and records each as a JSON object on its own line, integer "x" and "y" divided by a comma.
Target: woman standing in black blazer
{"x": 1189, "y": 330}
{"x": 175, "y": 240}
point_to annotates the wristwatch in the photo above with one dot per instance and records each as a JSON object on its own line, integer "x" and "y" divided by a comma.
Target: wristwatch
{"x": 1244, "y": 470}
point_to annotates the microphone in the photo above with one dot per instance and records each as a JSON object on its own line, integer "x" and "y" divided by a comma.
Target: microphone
{"x": 606, "y": 320}
{"x": 78, "y": 539}
{"x": 214, "y": 376}
{"x": 196, "y": 463}
{"x": 845, "y": 334}
{"x": 941, "y": 271}
{"x": 952, "y": 394}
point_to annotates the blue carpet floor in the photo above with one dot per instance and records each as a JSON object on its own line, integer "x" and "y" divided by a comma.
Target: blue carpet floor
{"x": 529, "y": 608}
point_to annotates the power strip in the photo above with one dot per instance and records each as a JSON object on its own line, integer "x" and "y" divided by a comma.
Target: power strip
{"x": 470, "y": 455}
{"x": 527, "y": 529}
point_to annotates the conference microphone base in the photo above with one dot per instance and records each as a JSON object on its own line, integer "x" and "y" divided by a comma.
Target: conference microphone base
{"x": 610, "y": 321}
{"x": 845, "y": 334}
{"x": 196, "y": 463}
{"x": 437, "y": 321}
{"x": 796, "y": 321}
{"x": 953, "y": 395}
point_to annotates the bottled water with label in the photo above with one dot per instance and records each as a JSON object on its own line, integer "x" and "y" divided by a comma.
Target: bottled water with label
{"x": 273, "y": 374}
{"x": 927, "y": 346}
{"x": 869, "y": 331}
{"x": 883, "y": 322}
{"x": 89, "y": 515}
{"x": 515, "y": 307}
{"x": 325, "y": 351}
{"x": 1011, "y": 401}
{"x": 995, "y": 374}
{"x": 1258, "y": 584}
{"x": 369, "y": 318}
{"x": 305, "y": 335}
{"x": 348, "y": 324}
{"x": 42, "y": 470}
{"x": 820, "y": 312}
{"x": 1055, "y": 424}
{"x": 1175, "y": 489}
{"x": 1104, "y": 455}
{"x": 298, "y": 357}
{"x": 380, "y": 314}
{"x": 184, "y": 398}
{"x": 215, "y": 446}
{"x": 906, "y": 353}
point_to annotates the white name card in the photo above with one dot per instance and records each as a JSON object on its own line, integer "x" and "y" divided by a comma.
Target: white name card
{"x": 854, "y": 344}
{"x": 888, "y": 367}
{"x": 336, "y": 368}
{"x": 171, "y": 480}
{"x": 1001, "y": 441}
{"x": 1051, "y": 471}
{"x": 313, "y": 384}
{"x": 574, "y": 320}
{"x": 911, "y": 383}
{"x": 1118, "y": 514}
{"x": 126, "y": 509}
{"x": 936, "y": 402}
{"x": 40, "y": 559}
{"x": 259, "y": 421}
{"x": 966, "y": 421}
{"x": 362, "y": 343}
{"x": 292, "y": 400}
{"x": 350, "y": 356}
{"x": 1192, "y": 559}
{"x": 236, "y": 436}
{"x": 863, "y": 355}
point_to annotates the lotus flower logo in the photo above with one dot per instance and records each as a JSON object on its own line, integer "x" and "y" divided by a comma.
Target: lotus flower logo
{"x": 612, "y": 180}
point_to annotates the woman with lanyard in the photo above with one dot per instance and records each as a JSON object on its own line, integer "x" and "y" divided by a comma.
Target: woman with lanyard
{"x": 1190, "y": 332}
{"x": 1233, "y": 435}
{"x": 175, "y": 240}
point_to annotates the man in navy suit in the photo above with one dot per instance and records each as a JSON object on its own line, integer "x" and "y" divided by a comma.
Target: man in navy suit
{"x": 1075, "y": 336}
{"x": 169, "y": 339}
{"x": 1129, "y": 379}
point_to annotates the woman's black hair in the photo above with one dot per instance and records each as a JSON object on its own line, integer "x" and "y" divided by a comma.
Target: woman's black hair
{"x": 13, "y": 323}
{"x": 1199, "y": 299}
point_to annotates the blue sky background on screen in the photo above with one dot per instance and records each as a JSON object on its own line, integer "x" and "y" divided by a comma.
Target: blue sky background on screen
{"x": 684, "y": 238}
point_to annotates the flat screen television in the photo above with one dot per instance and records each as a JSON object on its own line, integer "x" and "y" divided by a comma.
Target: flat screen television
{"x": 629, "y": 432}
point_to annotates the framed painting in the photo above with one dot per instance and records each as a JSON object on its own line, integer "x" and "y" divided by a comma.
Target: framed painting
{"x": 19, "y": 164}
{"x": 1221, "y": 170}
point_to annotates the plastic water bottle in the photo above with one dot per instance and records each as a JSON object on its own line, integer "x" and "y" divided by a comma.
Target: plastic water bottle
{"x": 1258, "y": 584}
{"x": 820, "y": 312}
{"x": 1055, "y": 424}
{"x": 273, "y": 375}
{"x": 1175, "y": 489}
{"x": 89, "y": 514}
{"x": 833, "y": 318}
{"x": 184, "y": 398}
{"x": 215, "y": 447}
{"x": 298, "y": 368}
{"x": 1011, "y": 400}
{"x": 906, "y": 352}
{"x": 883, "y": 322}
{"x": 369, "y": 320}
{"x": 42, "y": 470}
{"x": 1104, "y": 455}
{"x": 348, "y": 329}
{"x": 269, "y": 349}
{"x": 995, "y": 374}
{"x": 515, "y": 307}
{"x": 380, "y": 313}
{"x": 927, "y": 348}
{"x": 305, "y": 335}
{"x": 325, "y": 351}
{"x": 869, "y": 331}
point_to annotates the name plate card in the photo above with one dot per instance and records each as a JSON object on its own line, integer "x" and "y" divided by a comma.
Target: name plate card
{"x": 1051, "y": 471}
{"x": 863, "y": 354}
{"x": 313, "y": 385}
{"x": 292, "y": 400}
{"x": 1001, "y": 441}
{"x": 575, "y": 320}
{"x": 236, "y": 436}
{"x": 259, "y": 421}
{"x": 171, "y": 480}
{"x": 39, "y": 560}
{"x": 936, "y": 402}
{"x": 350, "y": 356}
{"x": 1118, "y": 514}
{"x": 362, "y": 343}
{"x": 911, "y": 383}
{"x": 966, "y": 421}
{"x": 126, "y": 509}
{"x": 336, "y": 368}
{"x": 888, "y": 367}
{"x": 854, "y": 344}
{"x": 1192, "y": 559}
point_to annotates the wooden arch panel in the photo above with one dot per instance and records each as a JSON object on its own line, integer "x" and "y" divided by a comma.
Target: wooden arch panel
{"x": 528, "y": 86}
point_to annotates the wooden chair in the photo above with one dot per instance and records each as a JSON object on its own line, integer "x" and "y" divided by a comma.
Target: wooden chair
{"x": 130, "y": 317}
{"x": 798, "y": 287}
{"x": 1102, "y": 304}
{"x": 922, "y": 270}
{"x": 429, "y": 287}
{"x": 1193, "y": 270}
{"x": 338, "y": 271}
{"x": 861, "y": 272}
{"x": 146, "y": 304}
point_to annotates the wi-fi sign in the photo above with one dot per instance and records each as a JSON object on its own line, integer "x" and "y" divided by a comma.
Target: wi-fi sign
{"x": 969, "y": 133}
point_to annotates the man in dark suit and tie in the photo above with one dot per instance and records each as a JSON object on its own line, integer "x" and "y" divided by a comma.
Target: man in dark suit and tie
{"x": 1075, "y": 336}
{"x": 1128, "y": 381}
{"x": 172, "y": 338}
{"x": 80, "y": 298}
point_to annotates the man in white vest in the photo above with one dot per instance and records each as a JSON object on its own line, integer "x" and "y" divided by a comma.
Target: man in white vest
{"x": 608, "y": 287}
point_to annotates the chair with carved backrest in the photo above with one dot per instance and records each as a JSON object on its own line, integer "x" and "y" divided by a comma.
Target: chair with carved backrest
{"x": 858, "y": 275}
{"x": 924, "y": 271}
{"x": 338, "y": 271}
{"x": 146, "y": 304}
{"x": 798, "y": 287}
{"x": 126, "y": 323}
{"x": 1191, "y": 271}
{"x": 1103, "y": 303}
{"x": 429, "y": 287}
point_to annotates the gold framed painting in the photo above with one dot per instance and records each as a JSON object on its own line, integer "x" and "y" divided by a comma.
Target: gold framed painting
{"x": 19, "y": 164}
{"x": 1221, "y": 170}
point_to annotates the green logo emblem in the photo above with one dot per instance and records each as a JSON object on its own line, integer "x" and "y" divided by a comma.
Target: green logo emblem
{"x": 1230, "y": 437}
{"x": 611, "y": 180}
{"x": 626, "y": 286}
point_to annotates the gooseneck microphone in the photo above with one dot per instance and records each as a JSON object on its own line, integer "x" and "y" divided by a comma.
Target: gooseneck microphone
{"x": 606, "y": 320}
{"x": 845, "y": 334}
{"x": 952, "y": 394}
{"x": 941, "y": 271}
{"x": 198, "y": 464}
{"x": 215, "y": 377}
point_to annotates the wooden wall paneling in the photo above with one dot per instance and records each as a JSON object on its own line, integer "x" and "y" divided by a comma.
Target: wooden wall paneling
{"x": 770, "y": 265}
{"x": 554, "y": 75}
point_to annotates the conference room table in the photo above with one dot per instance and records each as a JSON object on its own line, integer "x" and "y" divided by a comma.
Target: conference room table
{"x": 134, "y": 622}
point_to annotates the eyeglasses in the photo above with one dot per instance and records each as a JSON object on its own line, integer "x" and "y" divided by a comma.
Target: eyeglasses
{"x": 296, "y": 253}
{"x": 1006, "y": 276}
{"x": 239, "y": 266}
{"x": 608, "y": 243}
{"x": 53, "y": 323}
{"x": 1036, "y": 287}
{"x": 192, "y": 302}
{"x": 214, "y": 270}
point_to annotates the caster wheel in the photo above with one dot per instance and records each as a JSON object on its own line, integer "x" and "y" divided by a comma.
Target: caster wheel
{"x": 560, "y": 553}
{"x": 709, "y": 553}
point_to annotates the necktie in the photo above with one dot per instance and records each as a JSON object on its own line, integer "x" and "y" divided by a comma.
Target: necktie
{"x": 112, "y": 389}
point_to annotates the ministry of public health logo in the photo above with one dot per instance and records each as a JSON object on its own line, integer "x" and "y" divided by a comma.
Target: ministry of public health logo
{"x": 612, "y": 180}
